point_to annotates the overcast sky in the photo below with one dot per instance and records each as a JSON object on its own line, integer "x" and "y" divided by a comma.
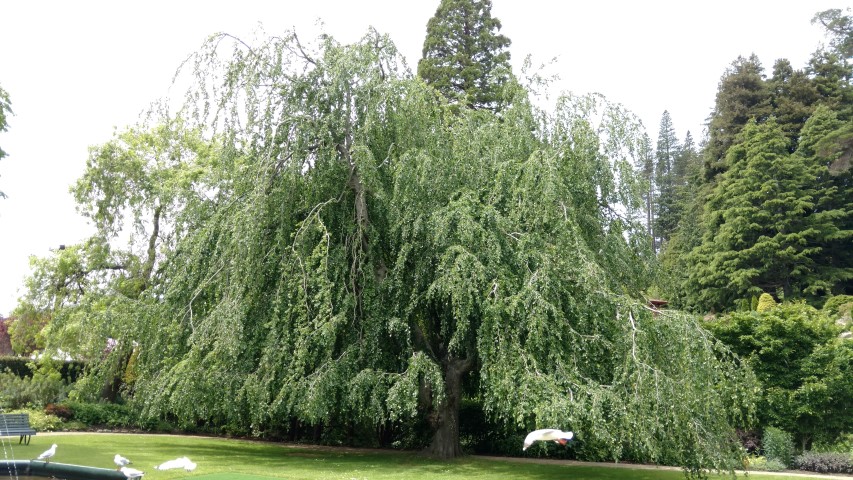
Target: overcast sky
{"x": 76, "y": 70}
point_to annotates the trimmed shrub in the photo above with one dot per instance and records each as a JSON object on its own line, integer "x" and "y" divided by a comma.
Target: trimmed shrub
{"x": 824, "y": 462}
{"x": 778, "y": 444}
{"x": 765, "y": 302}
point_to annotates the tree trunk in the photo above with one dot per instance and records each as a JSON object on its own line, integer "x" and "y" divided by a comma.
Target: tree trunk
{"x": 445, "y": 420}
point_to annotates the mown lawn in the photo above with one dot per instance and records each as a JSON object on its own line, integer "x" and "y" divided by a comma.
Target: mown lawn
{"x": 224, "y": 459}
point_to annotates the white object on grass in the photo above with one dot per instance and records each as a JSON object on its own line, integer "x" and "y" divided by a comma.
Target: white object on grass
{"x": 547, "y": 434}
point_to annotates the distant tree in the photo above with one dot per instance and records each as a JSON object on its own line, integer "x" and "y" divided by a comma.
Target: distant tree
{"x": 5, "y": 111}
{"x": 464, "y": 56}
{"x": 826, "y": 145}
{"x": 793, "y": 99}
{"x": 761, "y": 234}
{"x": 667, "y": 183}
{"x": 741, "y": 95}
{"x": 839, "y": 27}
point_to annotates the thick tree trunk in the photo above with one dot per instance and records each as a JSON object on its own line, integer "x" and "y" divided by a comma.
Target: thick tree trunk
{"x": 445, "y": 420}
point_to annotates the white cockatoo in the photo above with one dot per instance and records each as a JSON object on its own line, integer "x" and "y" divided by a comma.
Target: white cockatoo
{"x": 182, "y": 462}
{"x": 546, "y": 435}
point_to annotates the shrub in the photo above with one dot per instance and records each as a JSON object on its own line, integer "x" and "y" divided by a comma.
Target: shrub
{"x": 61, "y": 411}
{"x": 765, "y": 302}
{"x": 824, "y": 462}
{"x": 778, "y": 444}
{"x": 102, "y": 414}
{"x": 17, "y": 392}
{"x": 838, "y": 306}
{"x": 40, "y": 421}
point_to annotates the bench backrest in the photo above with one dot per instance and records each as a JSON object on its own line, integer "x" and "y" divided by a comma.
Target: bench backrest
{"x": 10, "y": 421}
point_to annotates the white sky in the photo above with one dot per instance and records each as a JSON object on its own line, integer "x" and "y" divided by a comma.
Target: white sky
{"x": 75, "y": 70}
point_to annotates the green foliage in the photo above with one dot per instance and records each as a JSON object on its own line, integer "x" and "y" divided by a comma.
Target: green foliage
{"x": 802, "y": 365}
{"x": 110, "y": 415}
{"x": 765, "y": 302}
{"x": 5, "y": 111}
{"x": 838, "y": 306}
{"x": 41, "y": 421}
{"x": 766, "y": 225}
{"x": 362, "y": 251}
{"x": 824, "y": 462}
{"x": 839, "y": 27}
{"x": 39, "y": 390}
{"x": 464, "y": 56}
{"x": 742, "y": 95}
{"x": 778, "y": 445}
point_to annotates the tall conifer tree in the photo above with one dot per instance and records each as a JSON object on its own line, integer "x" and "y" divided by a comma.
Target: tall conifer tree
{"x": 464, "y": 55}
{"x": 666, "y": 153}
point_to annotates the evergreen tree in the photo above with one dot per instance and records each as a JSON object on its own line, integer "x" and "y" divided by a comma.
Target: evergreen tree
{"x": 839, "y": 27}
{"x": 793, "y": 98}
{"x": 665, "y": 179}
{"x": 825, "y": 146}
{"x": 741, "y": 95}
{"x": 762, "y": 233}
{"x": 464, "y": 56}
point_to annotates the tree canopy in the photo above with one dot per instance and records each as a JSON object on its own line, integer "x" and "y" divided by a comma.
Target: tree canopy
{"x": 464, "y": 56}
{"x": 345, "y": 247}
{"x": 5, "y": 111}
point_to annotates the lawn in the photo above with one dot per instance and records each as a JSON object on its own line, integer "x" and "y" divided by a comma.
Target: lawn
{"x": 224, "y": 459}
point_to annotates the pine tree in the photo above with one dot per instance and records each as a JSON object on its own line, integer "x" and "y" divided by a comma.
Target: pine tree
{"x": 793, "y": 99}
{"x": 761, "y": 230}
{"x": 741, "y": 95}
{"x": 464, "y": 56}
{"x": 665, "y": 154}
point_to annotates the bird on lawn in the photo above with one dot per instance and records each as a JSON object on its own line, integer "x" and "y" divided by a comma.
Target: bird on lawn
{"x": 547, "y": 434}
{"x": 131, "y": 472}
{"x": 121, "y": 461}
{"x": 47, "y": 454}
{"x": 182, "y": 462}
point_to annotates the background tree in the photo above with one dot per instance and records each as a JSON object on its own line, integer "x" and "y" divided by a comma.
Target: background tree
{"x": 373, "y": 252}
{"x": 766, "y": 225}
{"x": 5, "y": 111}
{"x": 464, "y": 56}
{"x": 839, "y": 27}
{"x": 667, "y": 181}
{"x": 741, "y": 95}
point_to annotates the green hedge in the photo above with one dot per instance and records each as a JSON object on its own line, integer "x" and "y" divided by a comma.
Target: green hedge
{"x": 70, "y": 371}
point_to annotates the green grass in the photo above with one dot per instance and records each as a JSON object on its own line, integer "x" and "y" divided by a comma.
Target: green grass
{"x": 221, "y": 459}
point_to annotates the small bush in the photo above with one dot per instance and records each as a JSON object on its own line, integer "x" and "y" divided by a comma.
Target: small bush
{"x": 101, "y": 414}
{"x": 778, "y": 444}
{"x": 40, "y": 421}
{"x": 824, "y": 462}
{"x": 765, "y": 302}
{"x": 18, "y": 392}
{"x": 62, "y": 411}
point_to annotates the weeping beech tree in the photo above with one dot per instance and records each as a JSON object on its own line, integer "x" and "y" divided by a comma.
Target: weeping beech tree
{"x": 369, "y": 251}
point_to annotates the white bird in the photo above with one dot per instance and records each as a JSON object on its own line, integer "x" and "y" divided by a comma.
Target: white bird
{"x": 547, "y": 434}
{"x": 121, "y": 461}
{"x": 47, "y": 454}
{"x": 182, "y": 462}
{"x": 131, "y": 472}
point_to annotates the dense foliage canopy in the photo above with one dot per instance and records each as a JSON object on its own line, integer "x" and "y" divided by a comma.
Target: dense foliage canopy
{"x": 343, "y": 246}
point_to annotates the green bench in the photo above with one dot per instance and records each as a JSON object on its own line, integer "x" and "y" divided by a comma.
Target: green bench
{"x": 12, "y": 424}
